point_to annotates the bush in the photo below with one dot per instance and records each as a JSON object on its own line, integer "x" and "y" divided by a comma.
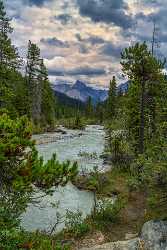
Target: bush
{"x": 75, "y": 224}
{"x": 119, "y": 148}
{"x": 107, "y": 211}
{"x": 74, "y": 123}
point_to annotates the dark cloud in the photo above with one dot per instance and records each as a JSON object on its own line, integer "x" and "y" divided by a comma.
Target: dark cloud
{"x": 56, "y": 72}
{"x": 109, "y": 49}
{"x": 79, "y": 38}
{"x": 64, "y": 18}
{"x": 36, "y": 2}
{"x": 83, "y": 49}
{"x": 80, "y": 71}
{"x": 108, "y": 11}
{"x": 88, "y": 71}
{"x": 54, "y": 42}
{"x": 93, "y": 40}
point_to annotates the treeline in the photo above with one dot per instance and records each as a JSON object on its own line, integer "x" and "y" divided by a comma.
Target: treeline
{"x": 25, "y": 88}
{"x": 21, "y": 94}
{"x": 137, "y": 125}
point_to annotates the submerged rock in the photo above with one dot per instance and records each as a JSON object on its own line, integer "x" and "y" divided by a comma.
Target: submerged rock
{"x": 153, "y": 236}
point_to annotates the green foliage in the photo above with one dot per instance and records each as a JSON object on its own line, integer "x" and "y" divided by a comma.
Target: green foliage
{"x": 16, "y": 239}
{"x": 107, "y": 211}
{"x": 145, "y": 74}
{"x": 89, "y": 107}
{"x": 9, "y": 239}
{"x": 21, "y": 169}
{"x": 75, "y": 224}
{"x": 74, "y": 123}
{"x": 53, "y": 172}
{"x": 88, "y": 155}
{"x": 111, "y": 101}
{"x": 119, "y": 148}
{"x": 42, "y": 100}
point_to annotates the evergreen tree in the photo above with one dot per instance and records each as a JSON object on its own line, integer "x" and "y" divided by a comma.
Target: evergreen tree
{"x": 144, "y": 72}
{"x": 33, "y": 74}
{"x": 111, "y": 101}
{"x": 9, "y": 59}
{"x": 41, "y": 95}
{"x": 89, "y": 107}
{"x": 48, "y": 99}
{"x": 21, "y": 170}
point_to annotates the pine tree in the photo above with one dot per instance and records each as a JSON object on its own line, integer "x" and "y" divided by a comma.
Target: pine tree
{"x": 48, "y": 99}
{"x": 20, "y": 171}
{"x": 111, "y": 101}
{"x": 145, "y": 73}
{"x": 89, "y": 107}
{"x": 34, "y": 80}
{"x": 9, "y": 59}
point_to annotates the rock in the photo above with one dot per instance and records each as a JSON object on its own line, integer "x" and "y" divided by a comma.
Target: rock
{"x": 119, "y": 245}
{"x": 130, "y": 236}
{"x": 59, "y": 130}
{"x": 154, "y": 235}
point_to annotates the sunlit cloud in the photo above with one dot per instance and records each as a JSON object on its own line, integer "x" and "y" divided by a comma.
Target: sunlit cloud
{"x": 83, "y": 39}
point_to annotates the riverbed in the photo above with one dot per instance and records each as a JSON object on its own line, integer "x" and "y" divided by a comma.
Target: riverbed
{"x": 75, "y": 145}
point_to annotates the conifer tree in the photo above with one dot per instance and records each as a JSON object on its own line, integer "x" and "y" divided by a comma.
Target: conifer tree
{"x": 111, "y": 102}
{"x": 9, "y": 59}
{"x": 89, "y": 107}
{"x": 48, "y": 99}
{"x": 34, "y": 80}
{"x": 144, "y": 72}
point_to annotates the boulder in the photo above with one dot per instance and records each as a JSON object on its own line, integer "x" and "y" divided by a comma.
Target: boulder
{"x": 154, "y": 235}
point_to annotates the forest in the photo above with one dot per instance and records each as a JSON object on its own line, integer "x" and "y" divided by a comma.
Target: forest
{"x": 135, "y": 125}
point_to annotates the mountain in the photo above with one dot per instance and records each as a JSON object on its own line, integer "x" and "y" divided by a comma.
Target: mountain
{"x": 123, "y": 87}
{"x": 81, "y": 91}
{"x": 65, "y": 100}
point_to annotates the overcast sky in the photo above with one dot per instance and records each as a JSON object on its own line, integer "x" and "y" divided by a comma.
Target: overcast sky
{"x": 82, "y": 39}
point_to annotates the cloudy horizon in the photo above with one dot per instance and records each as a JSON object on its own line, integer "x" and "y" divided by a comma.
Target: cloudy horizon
{"x": 82, "y": 39}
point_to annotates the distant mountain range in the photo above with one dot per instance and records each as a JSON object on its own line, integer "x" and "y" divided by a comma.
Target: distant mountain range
{"x": 81, "y": 91}
{"x": 65, "y": 100}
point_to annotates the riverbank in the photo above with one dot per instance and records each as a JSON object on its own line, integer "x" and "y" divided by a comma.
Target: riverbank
{"x": 128, "y": 219}
{"x": 128, "y": 225}
{"x": 75, "y": 145}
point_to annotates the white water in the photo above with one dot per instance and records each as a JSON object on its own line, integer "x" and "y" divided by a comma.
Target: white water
{"x": 69, "y": 197}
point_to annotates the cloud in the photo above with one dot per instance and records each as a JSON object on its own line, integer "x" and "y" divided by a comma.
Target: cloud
{"x": 109, "y": 49}
{"x": 83, "y": 49}
{"x": 93, "y": 40}
{"x": 36, "y": 2}
{"x": 108, "y": 11}
{"x": 55, "y": 42}
{"x": 79, "y": 71}
{"x": 75, "y": 33}
{"x": 64, "y": 18}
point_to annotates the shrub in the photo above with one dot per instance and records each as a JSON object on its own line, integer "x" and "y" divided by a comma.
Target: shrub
{"x": 75, "y": 224}
{"x": 107, "y": 211}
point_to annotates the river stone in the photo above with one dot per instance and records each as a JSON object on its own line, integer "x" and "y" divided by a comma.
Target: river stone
{"x": 154, "y": 235}
{"x": 133, "y": 244}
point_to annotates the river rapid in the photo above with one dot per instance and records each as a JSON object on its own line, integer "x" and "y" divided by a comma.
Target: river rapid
{"x": 70, "y": 145}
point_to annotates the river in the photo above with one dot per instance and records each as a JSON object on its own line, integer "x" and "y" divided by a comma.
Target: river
{"x": 70, "y": 145}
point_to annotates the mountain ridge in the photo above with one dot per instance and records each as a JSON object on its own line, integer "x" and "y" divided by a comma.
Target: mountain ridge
{"x": 81, "y": 91}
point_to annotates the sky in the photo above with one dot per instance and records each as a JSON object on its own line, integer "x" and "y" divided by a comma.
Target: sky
{"x": 83, "y": 39}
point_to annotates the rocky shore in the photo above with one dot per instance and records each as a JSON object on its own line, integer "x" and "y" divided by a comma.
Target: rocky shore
{"x": 153, "y": 236}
